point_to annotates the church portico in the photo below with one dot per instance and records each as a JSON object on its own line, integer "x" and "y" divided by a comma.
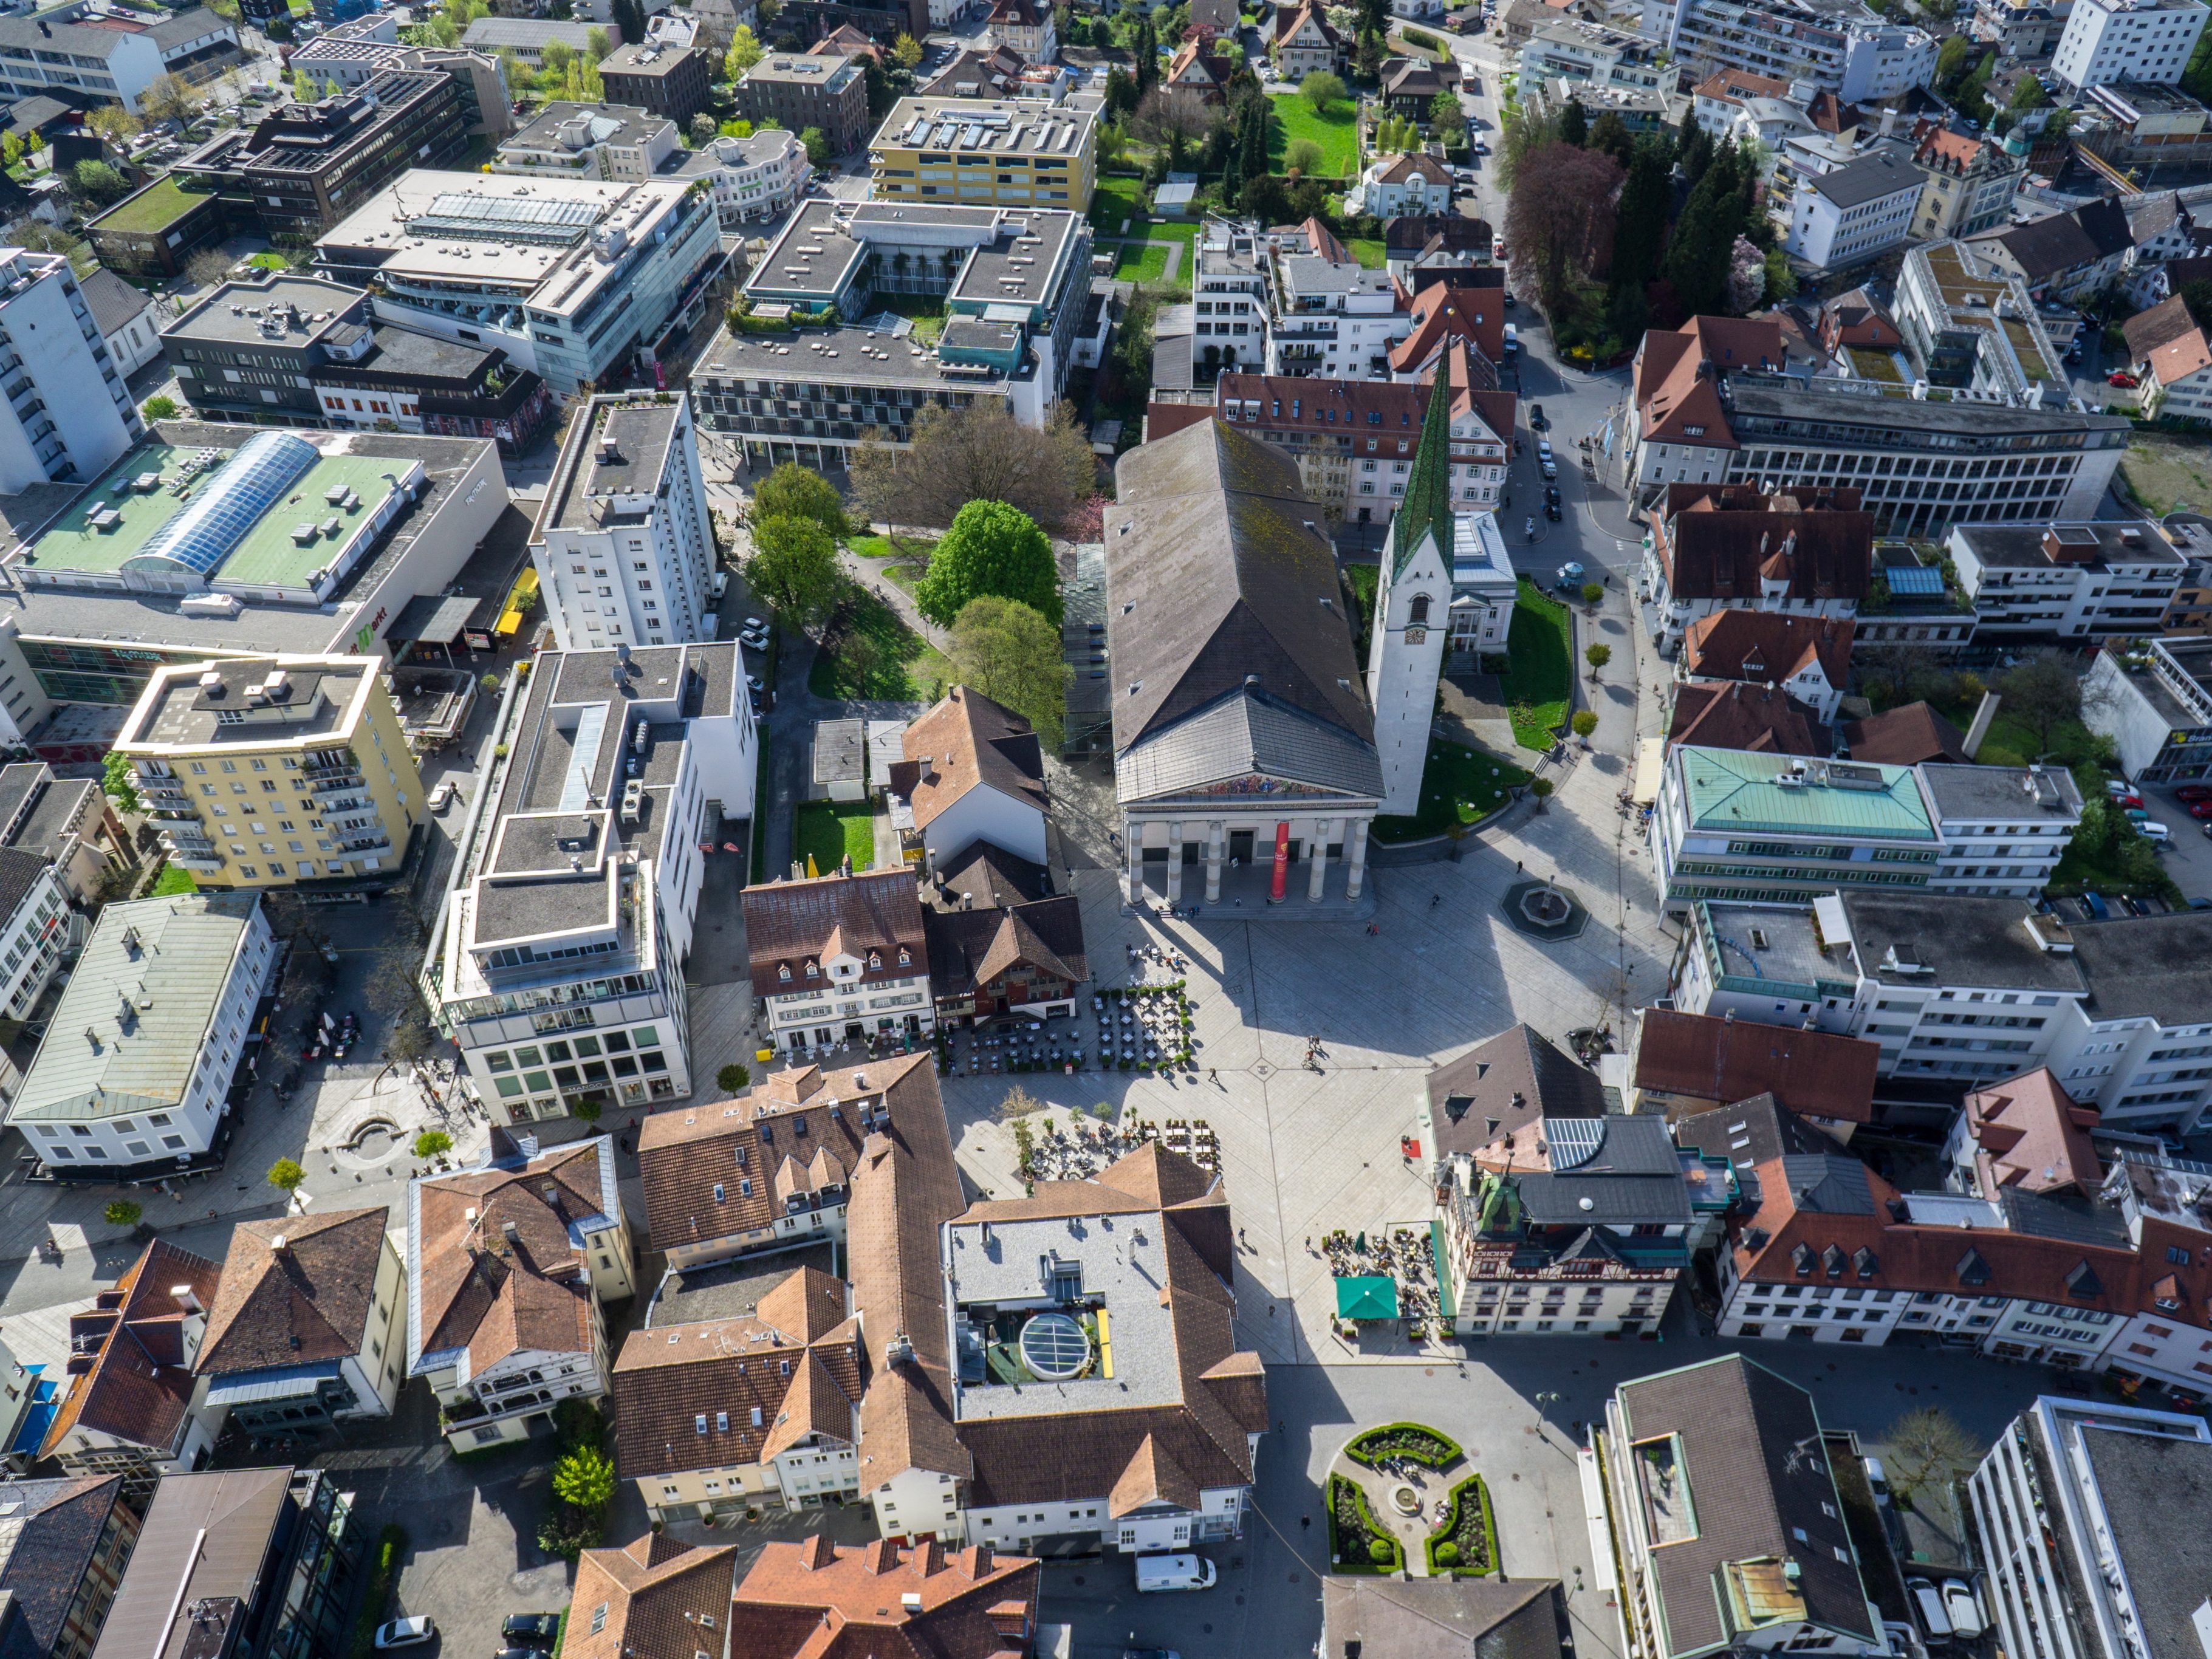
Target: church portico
{"x": 1177, "y": 852}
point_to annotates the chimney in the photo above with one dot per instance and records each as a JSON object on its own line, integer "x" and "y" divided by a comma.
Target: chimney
{"x": 277, "y": 1245}
{"x": 513, "y": 1234}
{"x": 187, "y": 1298}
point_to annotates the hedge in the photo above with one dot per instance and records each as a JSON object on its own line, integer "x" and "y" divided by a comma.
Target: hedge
{"x": 1470, "y": 1526}
{"x": 1353, "y": 1532}
{"x": 1414, "y": 1440}
{"x": 383, "y": 1579}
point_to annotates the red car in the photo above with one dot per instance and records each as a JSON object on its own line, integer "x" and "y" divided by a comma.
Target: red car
{"x": 2120, "y": 377}
{"x": 2193, "y": 792}
{"x": 2200, "y": 809}
{"x": 2129, "y": 801}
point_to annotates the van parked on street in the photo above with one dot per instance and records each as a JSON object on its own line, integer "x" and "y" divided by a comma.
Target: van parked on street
{"x": 1174, "y": 1572}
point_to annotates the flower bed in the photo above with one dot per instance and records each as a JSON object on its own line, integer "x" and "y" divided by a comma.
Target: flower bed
{"x": 1353, "y": 1536}
{"x": 1465, "y": 1546}
{"x": 1412, "y": 1440}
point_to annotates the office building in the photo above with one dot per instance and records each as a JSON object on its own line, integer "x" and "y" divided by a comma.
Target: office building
{"x": 2004, "y": 828}
{"x": 573, "y": 910}
{"x": 986, "y": 153}
{"x": 526, "y": 37}
{"x": 572, "y": 278}
{"x": 298, "y": 170}
{"x": 1971, "y": 182}
{"x": 69, "y": 414}
{"x": 662, "y": 78}
{"x": 2091, "y": 581}
{"x": 625, "y": 552}
{"x": 829, "y": 94}
{"x": 353, "y": 53}
{"x": 267, "y": 771}
{"x": 71, "y": 53}
{"x": 506, "y": 1266}
{"x": 2146, "y": 41}
{"x": 1853, "y": 213}
{"x": 590, "y": 141}
{"x": 839, "y": 959}
{"x": 2154, "y": 701}
{"x": 754, "y": 177}
{"x": 1678, "y": 1451}
{"x": 236, "y": 1562}
{"x": 1806, "y": 554}
{"x": 1976, "y": 332}
{"x": 159, "y": 1005}
{"x": 1838, "y": 45}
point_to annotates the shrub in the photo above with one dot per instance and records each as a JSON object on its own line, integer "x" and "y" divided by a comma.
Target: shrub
{"x": 122, "y": 1212}
{"x": 1464, "y": 1545}
{"x": 1379, "y": 1552}
{"x": 732, "y": 1077}
{"x": 1584, "y": 722}
{"x": 1447, "y": 1553}
{"x": 433, "y": 1143}
{"x": 1414, "y": 1440}
{"x": 383, "y": 1577}
{"x": 159, "y": 409}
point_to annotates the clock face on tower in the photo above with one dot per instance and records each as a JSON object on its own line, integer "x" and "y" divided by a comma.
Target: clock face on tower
{"x": 1416, "y": 635}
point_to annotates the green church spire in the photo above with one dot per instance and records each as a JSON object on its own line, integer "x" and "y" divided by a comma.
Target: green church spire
{"x": 1428, "y": 490}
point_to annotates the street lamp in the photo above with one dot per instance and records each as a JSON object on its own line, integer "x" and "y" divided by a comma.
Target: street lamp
{"x": 1544, "y": 1401}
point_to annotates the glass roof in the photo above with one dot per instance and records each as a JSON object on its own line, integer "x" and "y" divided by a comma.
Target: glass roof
{"x": 222, "y": 510}
{"x": 504, "y": 218}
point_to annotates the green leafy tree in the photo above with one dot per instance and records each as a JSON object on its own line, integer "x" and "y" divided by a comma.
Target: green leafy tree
{"x": 1008, "y": 652}
{"x": 302, "y": 87}
{"x": 1697, "y": 254}
{"x": 433, "y": 1143}
{"x": 2044, "y": 690}
{"x": 732, "y": 1077}
{"x": 906, "y": 51}
{"x": 1321, "y": 89}
{"x": 793, "y": 491}
{"x": 1610, "y": 134}
{"x": 99, "y": 182}
{"x": 1445, "y": 115}
{"x": 794, "y": 568}
{"x": 122, "y": 1212}
{"x": 285, "y": 1175}
{"x": 114, "y": 124}
{"x": 991, "y": 547}
{"x": 584, "y": 1476}
{"x": 600, "y": 42}
{"x": 818, "y": 152}
{"x": 1574, "y": 123}
{"x": 2028, "y": 94}
{"x": 1304, "y": 157}
{"x": 1597, "y": 656}
{"x": 1592, "y": 593}
{"x": 744, "y": 51}
{"x": 115, "y": 781}
{"x": 1584, "y": 723}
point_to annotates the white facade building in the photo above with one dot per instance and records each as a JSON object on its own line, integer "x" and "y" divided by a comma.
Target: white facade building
{"x": 755, "y": 178}
{"x": 623, "y": 547}
{"x": 1854, "y": 213}
{"x": 2075, "y": 581}
{"x": 111, "y": 59}
{"x": 1331, "y": 318}
{"x": 67, "y": 412}
{"x": 2128, "y": 40}
{"x": 590, "y": 140}
{"x": 839, "y": 959}
{"x": 1843, "y": 47}
{"x": 36, "y": 928}
{"x": 2003, "y": 829}
{"x": 1401, "y": 186}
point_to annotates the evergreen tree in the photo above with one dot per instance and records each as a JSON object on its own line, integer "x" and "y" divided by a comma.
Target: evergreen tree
{"x": 1696, "y": 151}
{"x": 1610, "y": 134}
{"x": 1697, "y": 256}
{"x": 1146, "y": 46}
{"x": 1374, "y": 17}
{"x": 1640, "y": 222}
{"x": 1574, "y": 123}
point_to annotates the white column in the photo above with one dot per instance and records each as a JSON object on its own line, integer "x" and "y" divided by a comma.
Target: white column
{"x": 1357, "y": 858}
{"x": 1132, "y": 839}
{"x": 1174, "y": 862}
{"x": 1317, "y": 856}
{"x": 1216, "y": 840}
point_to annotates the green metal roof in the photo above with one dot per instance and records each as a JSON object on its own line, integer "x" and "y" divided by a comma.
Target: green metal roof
{"x": 1428, "y": 504}
{"x": 1366, "y": 1298}
{"x": 1732, "y": 791}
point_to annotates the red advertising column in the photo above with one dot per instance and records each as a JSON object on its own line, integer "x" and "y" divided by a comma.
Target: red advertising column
{"x": 1282, "y": 863}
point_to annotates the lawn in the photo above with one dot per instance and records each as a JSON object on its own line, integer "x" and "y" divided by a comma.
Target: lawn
{"x": 1370, "y": 254}
{"x": 868, "y": 652}
{"x": 155, "y": 208}
{"x": 1337, "y": 133}
{"x": 829, "y": 831}
{"x": 1113, "y": 201}
{"x": 2160, "y": 472}
{"x": 1538, "y": 674}
{"x": 174, "y": 879}
{"x": 1458, "y": 785}
{"x": 873, "y": 546}
{"x": 1141, "y": 262}
{"x": 2012, "y": 741}
{"x": 1875, "y": 365}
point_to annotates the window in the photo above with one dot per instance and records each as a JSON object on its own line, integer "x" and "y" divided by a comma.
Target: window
{"x": 599, "y": 1612}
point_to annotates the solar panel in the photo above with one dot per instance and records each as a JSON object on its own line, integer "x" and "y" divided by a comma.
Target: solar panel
{"x": 1573, "y": 1141}
{"x": 504, "y": 218}
{"x": 1913, "y": 579}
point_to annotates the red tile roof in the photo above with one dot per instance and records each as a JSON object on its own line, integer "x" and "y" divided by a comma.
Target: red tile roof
{"x": 1767, "y": 646}
{"x": 1756, "y": 718}
{"x": 880, "y": 1601}
{"x": 652, "y": 1598}
{"x": 296, "y": 1290}
{"x": 1908, "y": 736}
{"x": 1698, "y": 1058}
{"x": 2030, "y": 1133}
{"x": 1458, "y": 306}
{"x": 136, "y": 1387}
{"x": 1725, "y": 541}
{"x": 968, "y": 741}
{"x": 792, "y": 924}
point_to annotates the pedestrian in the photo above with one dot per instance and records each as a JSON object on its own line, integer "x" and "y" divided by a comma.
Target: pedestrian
{"x": 1517, "y": 867}
{"x": 1305, "y": 1523}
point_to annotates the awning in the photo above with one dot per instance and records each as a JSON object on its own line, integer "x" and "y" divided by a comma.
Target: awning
{"x": 432, "y": 619}
{"x": 518, "y": 599}
{"x": 1367, "y": 1298}
{"x": 1651, "y": 761}
{"x": 255, "y": 1388}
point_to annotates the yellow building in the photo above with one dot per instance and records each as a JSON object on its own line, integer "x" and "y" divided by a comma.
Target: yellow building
{"x": 271, "y": 771}
{"x": 986, "y": 153}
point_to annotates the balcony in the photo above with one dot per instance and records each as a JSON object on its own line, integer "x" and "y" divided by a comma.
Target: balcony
{"x": 380, "y": 848}
{"x": 196, "y": 860}
{"x": 187, "y": 838}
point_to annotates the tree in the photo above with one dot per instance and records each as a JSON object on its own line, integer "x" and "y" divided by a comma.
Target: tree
{"x": 99, "y": 182}
{"x": 1584, "y": 723}
{"x": 302, "y": 87}
{"x": 285, "y": 1175}
{"x": 208, "y": 267}
{"x": 793, "y": 491}
{"x": 880, "y": 93}
{"x": 1304, "y": 157}
{"x": 744, "y": 51}
{"x": 906, "y": 51}
{"x": 1122, "y": 93}
{"x": 1541, "y": 789}
{"x": 1445, "y": 115}
{"x": 121, "y": 1213}
{"x": 732, "y": 1077}
{"x": 2045, "y": 691}
{"x": 704, "y": 129}
{"x": 1562, "y": 231}
{"x": 1597, "y": 656}
{"x": 1017, "y": 1103}
{"x": 1145, "y": 47}
{"x": 1574, "y": 123}
{"x": 629, "y": 22}
{"x": 158, "y": 408}
{"x": 980, "y": 453}
{"x": 818, "y": 152}
{"x": 2028, "y": 94}
{"x": 1373, "y": 17}
{"x": 117, "y": 783}
{"x": 1928, "y": 1449}
{"x": 991, "y": 547}
{"x": 583, "y": 1476}
{"x": 1610, "y": 134}
{"x": 1780, "y": 281}
{"x": 433, "y": 1143}
{"x": 1592, "y": 593}
{"x": 1012, "y": 654}
{"x": 1163, "y": 119}
{"x": 167, "y": 98}
{"x": 1699, "y": 251}
{"x": 554, "y": 61}
{"x": 1321, "y": 89}
{"x": 114, "y": 124}
{"x": 1951, "y": 60}
{"x": 794, "y": 568}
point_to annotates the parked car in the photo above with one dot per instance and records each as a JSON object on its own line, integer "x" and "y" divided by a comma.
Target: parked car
{"x": 1552, "y": 507}
{"x": 1965, "y": 1611}
{"x": 2119, "y": 786}
{"x": 1927, "y": 1607}
{"x": 719, "y": 586}
{"x": 1497, "y": 249}
{"x": 1551, "y": 495}
{"x": 2129, "y": 799}
{"x": 2155, "y": 833}
{"x": 2121, "y": 378}
{"x": 754, "y": 625}
{"x": 2193, "y": 792}
{"x": 442, "y": 797}
{"x": 2199, "y": 809}
{"x": 531, "y": 1630}
{"x": 406, "y": 1633}
{"x": 1536, "y": 421}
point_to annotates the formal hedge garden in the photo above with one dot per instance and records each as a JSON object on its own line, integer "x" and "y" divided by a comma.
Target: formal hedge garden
{"x": 1466, "y": 1545}
{"x": 1408, "y": 1440}
{"x": 1356, "y": 1544}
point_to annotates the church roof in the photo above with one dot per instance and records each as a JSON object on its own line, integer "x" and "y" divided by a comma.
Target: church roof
{"x": 1428, "y": 504}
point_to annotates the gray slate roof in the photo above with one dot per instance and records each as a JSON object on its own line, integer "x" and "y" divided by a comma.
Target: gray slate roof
{"x": 1632, "y": 1176}
{"x": 2144, "y": 1483}
{"x": 114, "y": 302}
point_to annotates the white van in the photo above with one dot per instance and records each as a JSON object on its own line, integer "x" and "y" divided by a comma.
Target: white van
{"x": 1174, "y": 1572}
{"x": 710, "y": 625}
{"x": 721, "y": 585}
{"x": 1928, "y": 1605}
{"x": 2155, "y": 832}
{"x": 1512, "y": 339}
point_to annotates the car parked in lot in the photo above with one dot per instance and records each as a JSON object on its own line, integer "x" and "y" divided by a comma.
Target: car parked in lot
{"x": 1965, "y": 1611}
{"x": 2193, "y": 792}
{"x": 1536, "y": 421}
{"x": 2125, "y": 798}
{"x": 406, "y": 1633}
{"x": 2199, "y": 809}
{"x": 2121, "y": 378}
{"x": 531, "y": 1630}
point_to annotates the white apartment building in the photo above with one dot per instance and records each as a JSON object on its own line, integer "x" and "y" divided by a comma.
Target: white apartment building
{"x": 1854, "y": 213}
{"x": 65, "y": 53}
{"x": 2128, "y": 40}
{"x": 1229, "y": 298}
{"x": 38, "y": 926}
{"x": 623, "y": 546}
{"x": 135, "y": 1070}
{"x": 1602, "y": 56}
{"x": 839, "y": 959}
{"x": 2003, "y": 829}
{"x": 68, "y": 414}
{"x": 1839, "y": 45}
{"x": 556, "y": 962}
{"x": 1331, "y": 318}
{"x": 2085, "y": 580}
{"x": 2167, "y": 1339}
{"x": 590, "y": 140}
{"x": 754, "y": 177}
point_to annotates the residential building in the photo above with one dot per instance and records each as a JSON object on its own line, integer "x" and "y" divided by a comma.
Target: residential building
{"x": 1194, "y": 719}
{"x": 1439, "y": 1618}
{"x": 2072, "y": 256}
{"x": 132, "y": 1404}
{"x": 2069, "y": 580}
{"x": 1685, "y": 1064}
{"x": 2172, "y": 359}
{"x": 1907, "y": 736}
{"x": 1720, "y": 98}
{"x": 506, "y": 1266}
{"x": 1304, "y": 42}
{"x": 2004, "y": 828}
{"x": 1503, "y": 1084}
{"x": 1409, "y": 86}
{"x": 590, "y": 140}
{"x": 168, "y": 989}
{"x": 2154, "y": 701}
{"x": 69, "y": 414}
{"x": 1913, "y": 597}
{"x": 579, "y": 895}
{"x": 1855, "y": 321}
{"x": 1806, "y": 553}
{"x": 754, "y": 177}
{"x": 1970, "y": 185}
{"x": 2021, "y": 29}
{"x": 1157, "y": 1458}
{"x": 69, "y": 824}
{"x": 1807, "y": 659}
{"x": 2069, "y": 1502}
{"x": 346, "y": 59}
{"x": 82, "y": 59}
{"x": 985, "y": 153}
{"x": 1231, "y": 326}
{"x": 526, "y": 37}
{"x": 651, "y": 1596}
{"x": 1604, "y": 58}
{"x": 64, "y": 1557}
{"x": 726, "y": 1415}
{"x": 838, "y": 958}
{"x": 301, "y": 168}
{"x": 992, "y": 961}
{"x": 1678, "y": 1450}
{"x": 127, "y": 318}
{"x": 969, "y": 1603}
{"x": 973, "y": 770}
{"x": 1450, "y": 310}
{"x": 2159, "y": 1201}
{"x": 39, "y": 925}
{"x": 829, "y": 94}
{"x": 309, "y": 1329}
{"x": 773, "y": 1166}
{"x": 657, "y": 76}
{"x": 1197, "y": 76}
{"x": 1327, "y": 317}
{"x": 2144, "y": 40}
{"x": 1439, "y": 245}
{"x": 1975, "y": 333}
{"x": 1024, "y": 27}
{"x": 404, "y": 380}
{"x": 1841, "y": 47}
{"x": 534, "y": 265}
{"x": 997, "y": 71}
{"x": 260, "y": 1561}
{"x": 2189, "y": 614}
{"x": 1736, "y": 716}
{"x": 1854, "y": 213}
{"x": 2164, "y": 229}
{"x": 622, "y": 547}
{"x": 337, "y": 796}
{"x": 1394, "y": 185}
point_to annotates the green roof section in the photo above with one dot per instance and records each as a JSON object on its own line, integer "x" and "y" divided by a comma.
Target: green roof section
{"x": 271, "y": 555}
{"x": 152, "y": 210}
{"x": 1733, "y": 791}
{"x": 1428, "y": 503}
{"x": 71, "y": 543}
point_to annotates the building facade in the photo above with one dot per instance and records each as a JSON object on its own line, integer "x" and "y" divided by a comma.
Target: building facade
{"x": 69, "y": 414}
{"x": 839, "y": 957}
{"x": 1854, "y": 213}
{"x": 658, "y": 76}
{"x": 2110, "y": 40}
{"x": 829, "y": 94}
{"x": 2100, "y": 579}
{"x": 985, "y": 153}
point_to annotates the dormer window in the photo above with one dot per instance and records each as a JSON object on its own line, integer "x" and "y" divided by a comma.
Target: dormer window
{"x": 783, "y": 970}
{"x": 906, "y": 956}
{"x": 875, "y": 960}
{"x": 813, "y": 972}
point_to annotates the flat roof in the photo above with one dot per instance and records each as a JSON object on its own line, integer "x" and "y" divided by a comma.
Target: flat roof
{"x": 1755, "y": 396}
{"x": 184, "y": 710}
{"x": 153, "y": 209}
{"x": 2021, "y": 546}
{"x": 610, "y": 122}
{"x": 856, "y": 355}
{"x": 2035, "y": 794}
{"x": 1777, "y": 942}
{"x": 236, "y": 313}
{"x": 804, "y": 68}
{"x": 649, "y": 57}
{"x": 1956, "y": 940}
{"x": 999, "y": 126}
{"x": 1733, "y": 791}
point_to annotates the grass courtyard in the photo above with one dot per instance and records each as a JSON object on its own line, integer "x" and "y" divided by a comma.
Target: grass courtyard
{"x": 1115, "y": 203}
{"x": 829, "y": 831}
{"x": 868, "y": 651}
{"x": 1540, "y": 667}
{"x": 1461, "y": 785}
{"x": 1336, "y": 130}
{"x": 2162, "y": 471}
{"x": 1141, "y": 262}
